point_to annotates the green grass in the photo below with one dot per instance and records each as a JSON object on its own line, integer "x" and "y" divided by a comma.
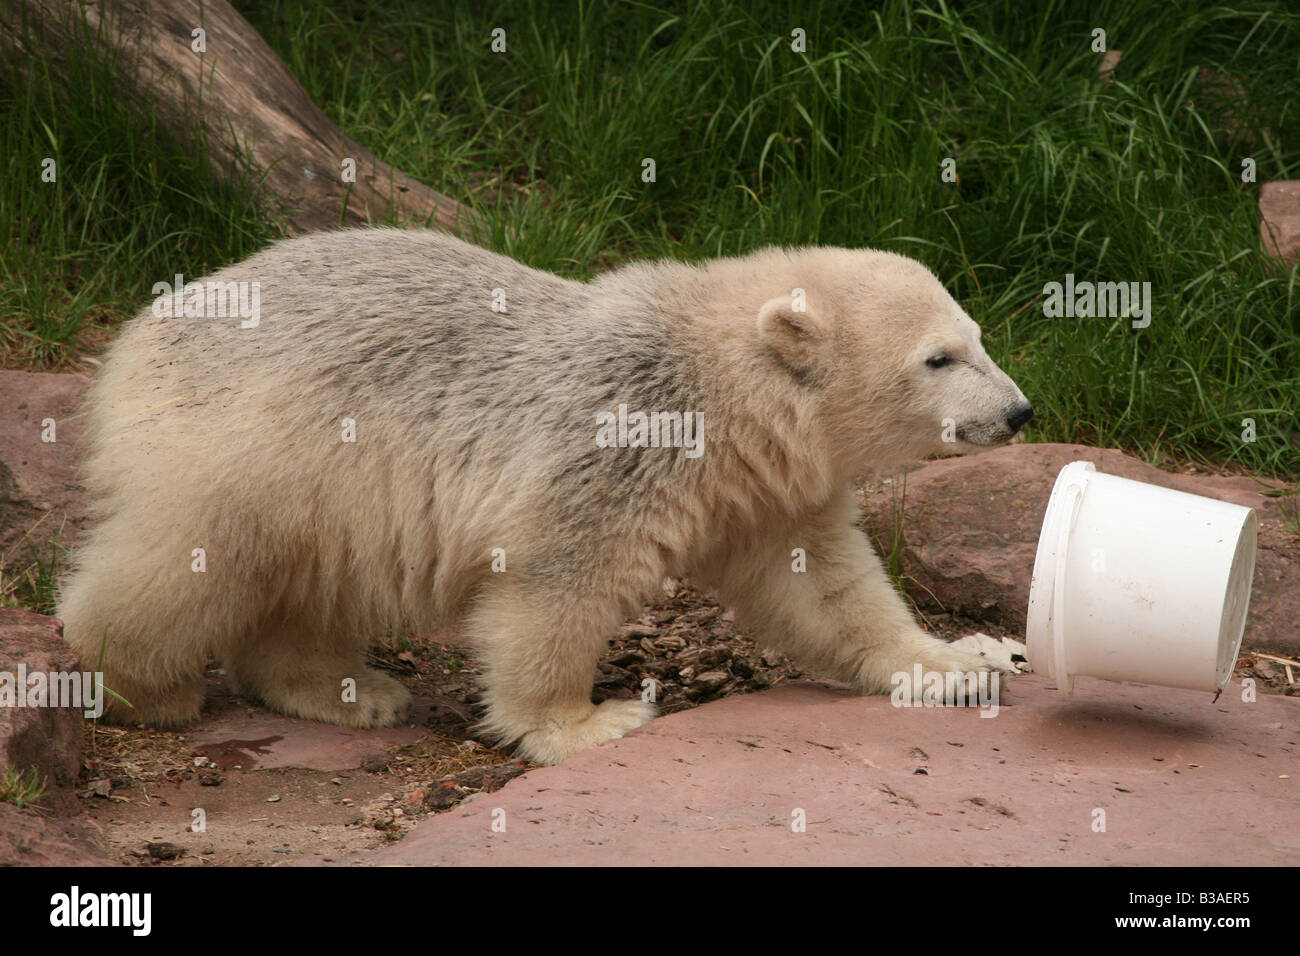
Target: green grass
{"x": 1289, "y": 507}
{"x": 32, "y": 584}
{"x": 1131, "y": 180}
{"x": 129, "y": 206}
{"x": 893, "y": 543}
{"x": 21, "y": 788}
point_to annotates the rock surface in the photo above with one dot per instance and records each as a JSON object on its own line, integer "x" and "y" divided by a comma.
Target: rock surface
{"x": 1181, "y": 780}
{"x": 268, "y": 741}
{"x": 45, "y": 738}
{"x": 1279, "y": 227}
{"x": 40, "y": 497}
{"x": 971, "y": 530}
{"x": 28, "y": 838}
{"x": 48, "y": 740}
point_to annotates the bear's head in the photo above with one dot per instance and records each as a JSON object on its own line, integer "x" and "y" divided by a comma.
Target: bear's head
{"x": 890, "y": 361}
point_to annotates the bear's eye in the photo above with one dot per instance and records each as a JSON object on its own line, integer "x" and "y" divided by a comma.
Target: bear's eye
{"x": 938, "y": 361}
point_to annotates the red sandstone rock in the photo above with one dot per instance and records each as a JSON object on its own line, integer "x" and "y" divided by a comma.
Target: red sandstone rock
{"x": 1182, "y": 780}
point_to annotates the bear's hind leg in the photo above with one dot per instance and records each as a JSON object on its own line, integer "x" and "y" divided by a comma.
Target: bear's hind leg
{"x": 290, "y": 668}
{"x": 146, "y": 629}
{"x": 539, "y": 655}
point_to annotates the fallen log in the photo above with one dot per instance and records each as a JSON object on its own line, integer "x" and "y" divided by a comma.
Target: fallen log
{"x": 193, "y": 59}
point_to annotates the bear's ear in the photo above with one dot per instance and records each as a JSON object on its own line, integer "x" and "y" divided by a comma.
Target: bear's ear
{"x": 798, "y": 337}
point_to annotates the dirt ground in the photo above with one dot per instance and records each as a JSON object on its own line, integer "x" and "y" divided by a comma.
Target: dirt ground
{"x": 142, "y": 785}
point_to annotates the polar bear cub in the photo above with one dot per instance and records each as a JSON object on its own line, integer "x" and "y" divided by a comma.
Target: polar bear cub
{"x": 418, "y": 430}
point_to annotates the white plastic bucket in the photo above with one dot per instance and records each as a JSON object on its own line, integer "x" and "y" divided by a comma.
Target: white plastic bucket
{"x": 1134, "y": 582}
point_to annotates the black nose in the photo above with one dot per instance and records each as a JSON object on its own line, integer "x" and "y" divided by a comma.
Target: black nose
{"x": 1017, "y": 419}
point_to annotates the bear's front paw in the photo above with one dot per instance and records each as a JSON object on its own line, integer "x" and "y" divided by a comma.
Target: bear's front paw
{"x": 953, "y": 660}
{"x": 879, "y": 672}
{"x": 607, "y": 721}
{"x": 1004, "y": 654}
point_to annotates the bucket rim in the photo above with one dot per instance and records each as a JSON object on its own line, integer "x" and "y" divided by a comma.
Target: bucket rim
{"x": 1041, "y": 644}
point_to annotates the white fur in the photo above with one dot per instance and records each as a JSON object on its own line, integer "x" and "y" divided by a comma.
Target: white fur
{"x": 476, "y": 431}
